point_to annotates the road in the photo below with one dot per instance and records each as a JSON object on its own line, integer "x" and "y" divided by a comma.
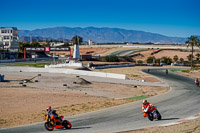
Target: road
{"x": 126, "y": 52}
{"x": 174, "y": 105}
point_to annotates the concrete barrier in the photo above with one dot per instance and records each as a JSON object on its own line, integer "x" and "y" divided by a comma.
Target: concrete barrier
{"x": 65, "y": 71}
{"x": 113, "y": 66}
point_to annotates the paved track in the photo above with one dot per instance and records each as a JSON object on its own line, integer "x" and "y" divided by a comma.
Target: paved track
{"x": 124, "y": 52}
{"x": 180, "y": 102}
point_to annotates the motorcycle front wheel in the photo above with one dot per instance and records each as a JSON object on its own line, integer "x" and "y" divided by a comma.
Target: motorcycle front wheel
{"x": 150, "y": 116}
{"x": 48, "y": 126}
{"x": 159, "y": 117}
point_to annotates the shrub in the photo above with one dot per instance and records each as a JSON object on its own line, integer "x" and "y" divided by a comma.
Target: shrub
{"x": 166, "y": 60}
{"x": 150, "y": 60}
{"x": 175, "y": 58}
{"x": 111, "y": 58}
{"x": 140, "y": 62}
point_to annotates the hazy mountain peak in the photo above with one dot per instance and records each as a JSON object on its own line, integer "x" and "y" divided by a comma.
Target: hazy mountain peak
{"x": 103, "y": 35}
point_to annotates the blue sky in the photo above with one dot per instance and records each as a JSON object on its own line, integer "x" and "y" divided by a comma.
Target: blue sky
{"x": 179, "y": 18}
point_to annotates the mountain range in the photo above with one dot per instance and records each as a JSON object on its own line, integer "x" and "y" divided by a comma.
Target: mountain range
{"x": 100, "y": 35}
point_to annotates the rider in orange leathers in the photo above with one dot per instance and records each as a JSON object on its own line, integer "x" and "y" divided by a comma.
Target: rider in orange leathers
{"x": 145, "y": 106}
{"x": 52, "y": 113}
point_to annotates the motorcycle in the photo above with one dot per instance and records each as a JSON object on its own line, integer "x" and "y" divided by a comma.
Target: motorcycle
{"x": 56, "y": 122}
{"x": 153, "y": 113}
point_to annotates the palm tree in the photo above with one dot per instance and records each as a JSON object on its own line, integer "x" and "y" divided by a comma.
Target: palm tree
{"x": 192, "y": 41}
{"x": 175, "y": 58}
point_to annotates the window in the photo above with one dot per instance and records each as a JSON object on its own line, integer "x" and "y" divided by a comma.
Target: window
{"x": 6, "y": 37}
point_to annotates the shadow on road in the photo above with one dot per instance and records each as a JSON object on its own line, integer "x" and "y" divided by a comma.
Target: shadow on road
{"x": 165, "y": 119}
{"x": 79, "y": 128}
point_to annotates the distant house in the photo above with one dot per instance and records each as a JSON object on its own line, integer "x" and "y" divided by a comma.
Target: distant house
{"x": 9, "y": 38}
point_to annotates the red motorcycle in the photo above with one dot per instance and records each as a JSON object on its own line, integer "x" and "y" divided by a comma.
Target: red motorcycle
{"x": 57, "y": 123}
{"x": 153, "y": 113}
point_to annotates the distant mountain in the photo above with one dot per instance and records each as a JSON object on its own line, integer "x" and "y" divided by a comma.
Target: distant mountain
{"x": 38, "y": 38}
{"x": 102, "y": 35}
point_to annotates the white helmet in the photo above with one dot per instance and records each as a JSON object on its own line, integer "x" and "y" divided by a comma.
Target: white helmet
{"x": 144, "y": 101}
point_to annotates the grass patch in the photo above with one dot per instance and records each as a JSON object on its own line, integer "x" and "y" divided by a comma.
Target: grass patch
{"x": 185, "y": 71}
{"x": 195, "y": 68}
{"x": 136, "y": 98}
{"x": 175, "y": 70}
{"x": 132, "y": 75}
{"x": 39, "y": 65}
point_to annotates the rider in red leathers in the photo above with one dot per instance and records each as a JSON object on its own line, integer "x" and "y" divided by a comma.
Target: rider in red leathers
{"x": 145, "y": 106}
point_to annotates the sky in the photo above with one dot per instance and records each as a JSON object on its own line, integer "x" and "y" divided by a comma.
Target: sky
{"x": 176, "y": 18}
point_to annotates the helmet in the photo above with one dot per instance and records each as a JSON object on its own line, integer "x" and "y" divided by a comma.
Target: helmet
{"x": 144, "y": 102}
{"x": 48, "y": 108}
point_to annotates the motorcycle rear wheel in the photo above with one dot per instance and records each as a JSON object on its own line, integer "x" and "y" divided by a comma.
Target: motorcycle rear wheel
{"x": 48, "y": 126}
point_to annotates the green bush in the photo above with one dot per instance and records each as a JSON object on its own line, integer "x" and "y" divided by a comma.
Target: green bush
{"x": 111, "y": 58}
{"x": 166, "y": 60}
{"x": 140, "y": 62}
{"x": 150, "y": 60}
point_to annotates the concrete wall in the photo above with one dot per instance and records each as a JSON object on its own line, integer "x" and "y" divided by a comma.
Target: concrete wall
{"x": 113, "y": 66}
{"x": 65, "y": 71}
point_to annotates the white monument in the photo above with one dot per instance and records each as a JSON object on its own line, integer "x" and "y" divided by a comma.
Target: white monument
{"x": 76, "y": 54}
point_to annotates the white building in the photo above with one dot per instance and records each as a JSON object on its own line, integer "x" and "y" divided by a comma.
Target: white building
{"x": 9, "y": 38}
{"x": 90, "y": 42}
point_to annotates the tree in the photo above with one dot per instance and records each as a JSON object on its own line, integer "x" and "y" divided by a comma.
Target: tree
{"x": 140, "y": 62}
{"x": 22, "y": 45}
{"x": 192, "y": 41}
{"x": 158, "y": 61}
{"x": 190, "y": 57}
{"x": 182, "y": 60}
{"x": 150, "y": 59}
{"x": 166, "y": 60}
{"x": 111, "y": 58}
{"x": 175, "y": 58}
{"x": 198, "y": 56}
{"x": 77, "y": 40}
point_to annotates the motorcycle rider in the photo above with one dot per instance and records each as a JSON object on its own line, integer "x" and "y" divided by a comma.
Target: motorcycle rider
{"x": 166, "y": 71}
{"x": 52, "y": 113}
{"x": 197, "y": 82}
{"x": 145, "y": 106}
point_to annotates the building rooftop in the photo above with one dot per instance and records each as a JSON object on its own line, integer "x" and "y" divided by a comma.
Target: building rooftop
{"x": 14, "y": 28}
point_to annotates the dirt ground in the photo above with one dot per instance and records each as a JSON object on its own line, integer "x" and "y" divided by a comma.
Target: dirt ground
{"x": 22, "y": 104}
{"x": 165, "y": 53}
{"x": 194, "y": 74}
{"x": 193, "y": 126}
{"x": 133, "y": 73}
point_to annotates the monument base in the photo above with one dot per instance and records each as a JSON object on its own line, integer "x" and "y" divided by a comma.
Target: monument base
{"x": 71, "y": 63}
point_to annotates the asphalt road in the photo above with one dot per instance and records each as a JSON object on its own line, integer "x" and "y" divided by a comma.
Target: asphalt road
{"x": 125, "y": 52}
{"x": 180, "y": 102}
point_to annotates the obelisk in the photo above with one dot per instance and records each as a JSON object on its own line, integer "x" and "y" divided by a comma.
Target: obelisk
{"x": 76, "y": 54}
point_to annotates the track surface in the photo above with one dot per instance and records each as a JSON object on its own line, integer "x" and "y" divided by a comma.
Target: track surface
{"x": 180, "y": 102}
